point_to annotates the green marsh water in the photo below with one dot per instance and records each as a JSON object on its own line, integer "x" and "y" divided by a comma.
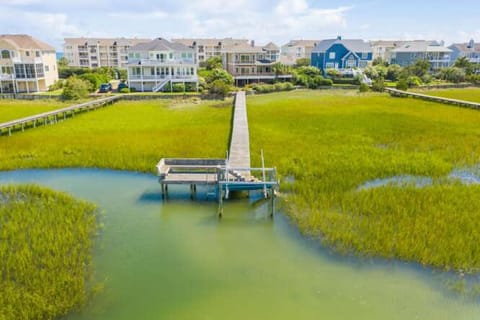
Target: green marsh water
{"x": 176, "y": 260}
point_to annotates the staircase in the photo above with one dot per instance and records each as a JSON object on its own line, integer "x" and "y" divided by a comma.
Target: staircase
{"x": 160, "y": 86}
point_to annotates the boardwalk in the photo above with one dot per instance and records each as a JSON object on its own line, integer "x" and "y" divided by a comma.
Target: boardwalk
{"x": 55, "y": 115}
{"x": 460, "y": 103}
{"x": 239, "y": 155}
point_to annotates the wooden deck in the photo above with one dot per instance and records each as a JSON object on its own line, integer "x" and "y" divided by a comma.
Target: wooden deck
{"x": 239, "y": 154}
{"x": 52, "y": 117}
{"x": 460, "y": 103}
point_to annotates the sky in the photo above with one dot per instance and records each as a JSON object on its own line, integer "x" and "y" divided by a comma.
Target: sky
{"x": 260, "y": 20}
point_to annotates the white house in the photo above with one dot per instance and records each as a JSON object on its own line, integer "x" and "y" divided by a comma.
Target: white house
{"x": 26, "y": 64}
{"x": 158, "y": 64}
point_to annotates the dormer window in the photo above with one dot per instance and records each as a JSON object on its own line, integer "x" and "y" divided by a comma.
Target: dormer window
{"x": 5, "y": 54}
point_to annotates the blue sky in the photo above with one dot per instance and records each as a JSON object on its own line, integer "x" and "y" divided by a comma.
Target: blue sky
{"x": 261, "y": 20}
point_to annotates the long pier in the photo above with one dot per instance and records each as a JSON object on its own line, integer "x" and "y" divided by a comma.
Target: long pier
{"x": 456, "y": 102}
{"x": 223, "y": 176}
{"x": 52, "y": 117}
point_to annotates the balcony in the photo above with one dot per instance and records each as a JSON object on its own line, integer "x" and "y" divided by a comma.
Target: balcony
{"x": 148, "y": 62}
{"x": 162, "y": 77}
{"x": 5, "y": 77}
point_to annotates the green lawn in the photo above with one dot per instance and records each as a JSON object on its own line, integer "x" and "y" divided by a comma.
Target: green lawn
{"x": 126, "y": 135}
{"x": 468, "y": 94}
{"x": 333, "y": 142}
{"x": 16, "y": 109}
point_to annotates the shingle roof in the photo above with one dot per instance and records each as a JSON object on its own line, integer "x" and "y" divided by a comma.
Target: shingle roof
{"x": 209, "y": 41}
{"x": 306, "y": 43}
{"x": 105, "y": 41}
{"x": 243, "y": 47}
{"x": 271, "y": 46}
{"x": 160, "y": 44}
{"x": 464, "y": 47}
{"x": 421, "y": 46}
{"x": 25, "y": 42}
{"x": 354, "y": 45}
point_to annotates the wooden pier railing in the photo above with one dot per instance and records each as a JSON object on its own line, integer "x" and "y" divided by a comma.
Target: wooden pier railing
{"x": 52, "y": 117}
{"x": 460, "y": 103}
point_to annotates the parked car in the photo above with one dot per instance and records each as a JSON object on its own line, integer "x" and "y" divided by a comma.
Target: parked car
{"x": 105, "y": 87}
{"x": 122, "y": 85}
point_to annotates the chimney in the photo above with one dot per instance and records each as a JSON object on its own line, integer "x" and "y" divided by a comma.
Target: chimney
{"x": 252, "y": 43}
{"x": 339, "y": 37}
{"x": 471, "y": 44}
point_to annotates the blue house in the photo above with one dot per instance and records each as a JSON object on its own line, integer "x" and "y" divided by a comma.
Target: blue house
{"x": 341, "y": 54}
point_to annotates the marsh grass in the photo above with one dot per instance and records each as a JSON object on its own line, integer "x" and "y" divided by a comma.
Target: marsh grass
{"x": 127, "y": 136}
{"x": 46, "y": 241}
{"x": 334, "y": 143}
{"x": 16, "y": 109}
{"x": 467, "y": 94}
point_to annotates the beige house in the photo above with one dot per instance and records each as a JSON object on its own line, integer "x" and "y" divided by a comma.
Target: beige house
{"x": 297, "y": 49}
{"x": 248, "y": 63}
{"x": 383, "y": 48}
{"x": 99, "y": 52}
{"x": 158, "y": 64}
{"x": 207, "y": 48}
{"x": 26, "y": 64}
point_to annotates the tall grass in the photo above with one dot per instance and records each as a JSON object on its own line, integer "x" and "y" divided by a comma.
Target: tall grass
{"x": 45, "y": 252}
{"x": 468, "y": 94}
{"x": 126, "y": 135}
{"x": 332, "y": 143}
{"x": 16, "y": 109}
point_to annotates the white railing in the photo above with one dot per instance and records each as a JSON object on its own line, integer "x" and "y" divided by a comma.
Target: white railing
{"x": 162, "y": 84}
{"x": 148, "y": 62}
{"x": 6, "y": 76}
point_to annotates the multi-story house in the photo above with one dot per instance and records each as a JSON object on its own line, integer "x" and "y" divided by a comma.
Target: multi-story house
{"x": 26, "y": 64}
{"x": 341, "y": 54}
{"x": 432, "y": 51}
{"x": 470, "y": 50}
{"x": 208, "y": 48}
{"x": 158, "y": 64}
{"x": 383, "y": 49}
{"x": 98, "y": 52}
{"x": 248, "y": 63}
{"x": 297, "y": 49}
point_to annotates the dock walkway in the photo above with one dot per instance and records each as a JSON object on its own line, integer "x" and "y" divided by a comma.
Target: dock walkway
{"x": 239, "y": 154}
{"x": 456, "y": 102}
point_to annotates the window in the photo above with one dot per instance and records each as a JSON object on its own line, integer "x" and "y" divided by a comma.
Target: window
{"x": 47, "y": 69}
{"x": 170, "y": 56}
{"x": 5, "y": 54}
{"x": 330, "y": 65}
{"x": 19, "y": 71}
{"x": 27, "y": 53}
{"x": 30, "y": 70}
{"x": 37, "y": 54}
{"x": 331, "y": 55}
{"x": 364, "y": 55}
{"x": 39, "y": 70}
{"x": 7, "y": 70}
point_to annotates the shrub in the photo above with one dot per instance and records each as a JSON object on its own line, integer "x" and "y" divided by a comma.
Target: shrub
{"x": 220, "y": 88}
{"x": 402, "y": 84}
{"x": 178, "y": 87}
{"x": 133, "y": 89}
{"x": 414, "y": 81}
{"x": 125, "y": 90}
{"x": 453, "y": 74}
{"x": 378, "y": 85}
{"x": 364, "y": 88}
{"x": 393, "y": 72}
{"x": 59, "y": 84}
{"x": 76, "y": 88}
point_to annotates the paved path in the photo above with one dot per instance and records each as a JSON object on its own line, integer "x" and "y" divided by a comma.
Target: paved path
{"x": 239, "y": 155}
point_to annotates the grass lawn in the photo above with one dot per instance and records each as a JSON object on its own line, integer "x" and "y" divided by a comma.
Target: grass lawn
{"x": 16, "y": 109}
{"x": 127, "y": 135}
{"x": 468, "y": 94}
{"x": 333, "y": 142}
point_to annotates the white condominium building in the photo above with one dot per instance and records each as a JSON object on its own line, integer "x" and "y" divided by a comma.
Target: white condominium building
{"x": 26, "y": 64}
{"x": 158, "y": 64}
{"x": 98, "y": 52}
{"x": 208, "y": 48}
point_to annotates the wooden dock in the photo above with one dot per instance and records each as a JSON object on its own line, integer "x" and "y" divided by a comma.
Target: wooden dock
{"x": 223, "y": 175}
{"x": 460, "y": 103}
{"x": 52, "y": 117}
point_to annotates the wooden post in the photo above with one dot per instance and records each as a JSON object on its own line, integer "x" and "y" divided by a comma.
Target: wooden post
{"x": 220, "y": 202}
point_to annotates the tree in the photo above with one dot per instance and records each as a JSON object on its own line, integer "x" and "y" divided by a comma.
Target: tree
{"x": 378, "y": 61}
{"x": 378, "y": 85}
{"x": 62, "y": 62}
{"x": 220, "y": 88}
{"x": 453, "y": 74}
{"x": 402, "y": 84}
{"x": 393, "y": 72}
{"x": 465, "y": 64}
{"x": 280, "y": 69}
{"x": 302, "y": 62}
{"x": 76, "y": 88}
{"x": 213, "y": 63}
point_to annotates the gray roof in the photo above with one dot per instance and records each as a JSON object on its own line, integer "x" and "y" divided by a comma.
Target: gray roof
{"x": 463, "y": 47}
{"x": 271, "y": 46}
{"x": 160, "y": 44}
{"x": 421, "y": 46}
{"x": 354, "y": 45}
